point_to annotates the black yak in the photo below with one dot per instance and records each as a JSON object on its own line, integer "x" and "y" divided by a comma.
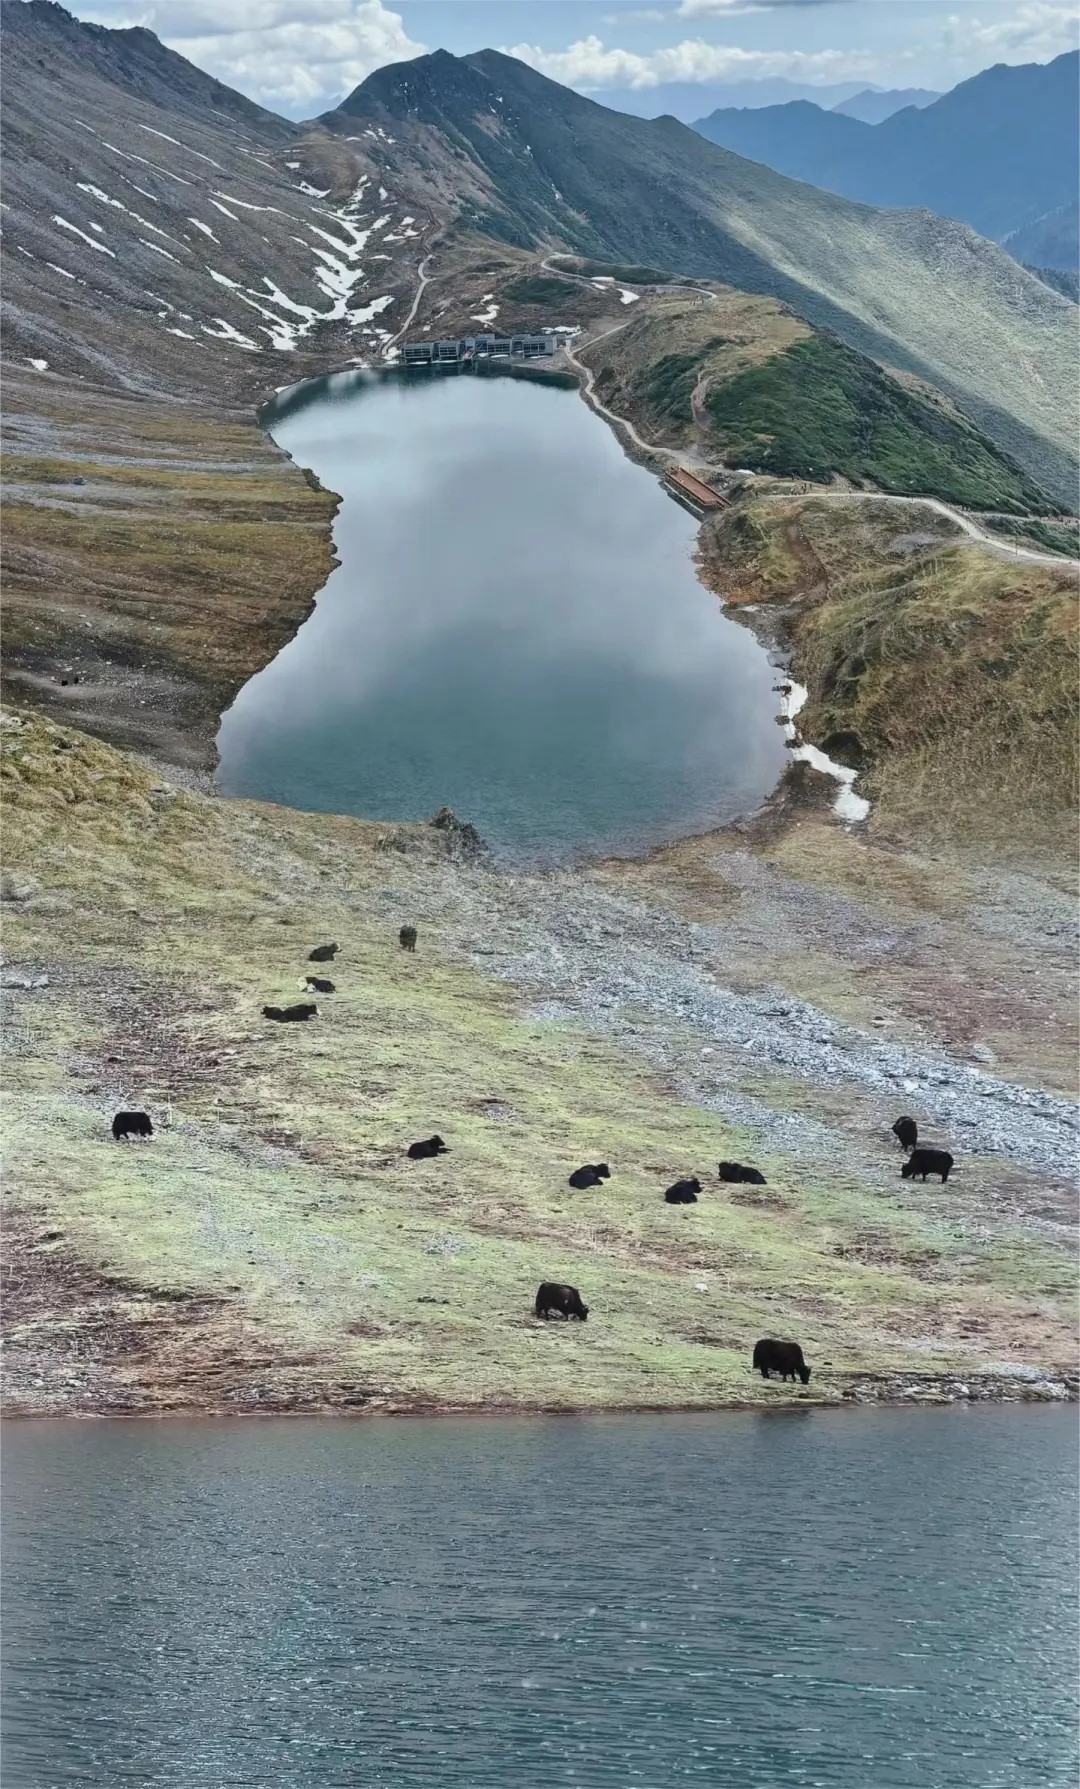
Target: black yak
{"x": 784, "y": 1358}
{"x": 684, "y": 1192}
{"x": 131, "y": 1124}
{"x": 906, "y": 1132}
{"x": 590, "y": 1175}
{"x": 565, "y": 1299}
{"x": 429, "y": 1146}
{"x": 922, "y": 1162}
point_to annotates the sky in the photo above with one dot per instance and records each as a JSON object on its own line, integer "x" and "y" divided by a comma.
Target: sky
{"x": 300, "y": 57}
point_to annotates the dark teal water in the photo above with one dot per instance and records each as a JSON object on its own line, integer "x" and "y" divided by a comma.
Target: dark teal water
{"x": 865, "y": 1600}
{"x": 515, "y": 630}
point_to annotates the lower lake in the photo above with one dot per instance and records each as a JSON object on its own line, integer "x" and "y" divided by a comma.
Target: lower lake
{"x": 871, "y": 1599}
{"x": 516, "y": 630}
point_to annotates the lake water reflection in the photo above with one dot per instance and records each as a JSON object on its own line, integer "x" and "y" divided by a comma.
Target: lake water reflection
{"x": 515, "y": 630}
{"x": 859, "y": 1600}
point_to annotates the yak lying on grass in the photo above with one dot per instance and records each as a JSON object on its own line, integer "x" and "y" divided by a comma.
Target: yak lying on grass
{"x": 592, "y": 1174}
{"x": 427, "y": 1147}
{"x": 737, "y": 1171}
{"x": 684, "y": 1192}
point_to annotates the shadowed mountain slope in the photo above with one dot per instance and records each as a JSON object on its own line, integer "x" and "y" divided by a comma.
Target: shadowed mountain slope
{"x": 998, "y": 152}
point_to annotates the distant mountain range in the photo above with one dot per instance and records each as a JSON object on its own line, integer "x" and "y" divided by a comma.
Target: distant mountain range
{"x": 687, "y": 100}
{"x": 874, "y": 104}
{"x": 999, "y": 153}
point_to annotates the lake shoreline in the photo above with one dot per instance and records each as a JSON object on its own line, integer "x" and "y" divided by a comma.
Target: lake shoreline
{"x": 782, "y": 908}
{"x": 906, "y": 1394}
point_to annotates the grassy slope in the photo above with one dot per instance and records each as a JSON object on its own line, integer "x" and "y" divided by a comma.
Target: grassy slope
{"x": 956, "y": 671}
{"x": 743, "y": 380}
{"x": 649, "y": 369}
{"x": 188, "y": 552}
{"x": 818, "y": 410}
{"x": 279, "y": 1200}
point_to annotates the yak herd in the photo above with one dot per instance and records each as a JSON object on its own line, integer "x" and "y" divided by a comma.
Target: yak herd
{"x": 554, "y": 1299}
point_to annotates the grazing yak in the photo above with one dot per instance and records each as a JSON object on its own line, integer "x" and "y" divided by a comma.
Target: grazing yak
{"x": 419, "y": 1152}
{"x": 684, "y": 1192}
{"x": 565, "y": 1299}
{"x": 590, "y": 1175}
{"x": 317, "y": 984}
{"x": 784, "y": 1358}
{"x": 407, "y": 937}
{"x": 304, "y": 1009}
{"x": 906, "y": 1132}
{"x": 922, "y": 1162}
{"x": 131, "y": 1124}
{"x": 323, "y": 953}
{"x": 737, "y": 1171}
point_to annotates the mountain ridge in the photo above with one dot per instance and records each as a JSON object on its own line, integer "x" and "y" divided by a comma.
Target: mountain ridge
{"x": 996, "y": 152}
{"x": 546, "y": 166}
{"x": 229, "y": 239}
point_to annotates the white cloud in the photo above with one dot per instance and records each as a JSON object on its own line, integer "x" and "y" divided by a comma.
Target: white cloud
{"x": 587, "y": 64}
{"x": 292, "y": 53}
{"x": 713, "y": 9}
{"x": 1035, "y": 32}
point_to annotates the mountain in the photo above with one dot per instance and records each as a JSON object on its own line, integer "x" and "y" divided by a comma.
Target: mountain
{"x": 166, "y": 235}
{"x": 1052, "y": 240}
{"x": 531, "y": 163}
{"x": 687, "y": 100}
{"x": 998, "y": 152}
{"x": 874, "y": 104}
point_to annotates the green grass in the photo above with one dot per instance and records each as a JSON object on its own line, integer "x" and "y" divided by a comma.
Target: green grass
{"x": 281, "y": 1188}
{"x": 667, "y": 386}
{"x": 539, "y": 288}
{"x": 953, "y": 669}
{"x": 1055, "y": 537}
{"x": 632, "y": 273}
{"x": 819, "y": 410}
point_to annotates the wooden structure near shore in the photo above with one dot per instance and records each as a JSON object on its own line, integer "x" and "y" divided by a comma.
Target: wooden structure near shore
{"x": 693, "y": 492}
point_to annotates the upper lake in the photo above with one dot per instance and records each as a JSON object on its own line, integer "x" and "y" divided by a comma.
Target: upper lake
{"x": 516, "y": 630}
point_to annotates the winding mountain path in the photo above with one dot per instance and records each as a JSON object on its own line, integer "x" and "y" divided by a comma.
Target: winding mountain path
{"x": 992, "y": 542}
{"x": 422, "y": 276}
{"x": 692, "y": 462}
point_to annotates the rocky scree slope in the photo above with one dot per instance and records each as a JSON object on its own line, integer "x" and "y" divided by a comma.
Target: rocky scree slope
{"x": 164, "y": 235}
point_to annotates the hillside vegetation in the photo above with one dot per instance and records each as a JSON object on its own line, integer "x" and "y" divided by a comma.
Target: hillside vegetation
{"x": 743, "y": 381}
{"x": 818, "y": 410}
{"x": 949, "y": 675}
{"x": 155, "y": 556}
